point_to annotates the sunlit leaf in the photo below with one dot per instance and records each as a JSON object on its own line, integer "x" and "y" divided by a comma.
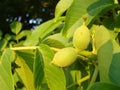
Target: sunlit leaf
{"x": 24, "y": 33}
{"x": 52, "y": 73}
{"x": 42, "y": 31}
{"x": 101, "y": 36}
{"x": 25, "y": 73}
{"x": 104, "y": 47}
{"x": 61, "y": 7}
{"x": 6, "y": 79}
{"x": 28, "y": 57}
{"x": 56, "y": 40}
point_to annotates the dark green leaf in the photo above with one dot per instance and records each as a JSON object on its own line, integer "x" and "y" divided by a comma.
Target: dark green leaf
{"x": 114, "y": 72}
{"x": 7, "y": 37}
{"x": 1, "y": 33}
{"x": 97, "y": 7}
{"x": 104, "y": 86}
{"x": 112, "y": 25}
{"x": 16, "y": 27}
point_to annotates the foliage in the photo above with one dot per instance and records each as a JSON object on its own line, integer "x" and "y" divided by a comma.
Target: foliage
{"x": 26, "y": 56}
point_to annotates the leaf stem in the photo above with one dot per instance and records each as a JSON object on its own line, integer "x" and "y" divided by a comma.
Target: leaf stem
{"x": 31, "y": 47}
{"x": 80, "y": 81}
{"x": 82, "y": 57}
{"x": 55, "y": 49}
{"x": 24, "y": 48}
{"x": 73, "y": 84}
{"x": 85, "y": 53}
{"x": 83, "y": 79}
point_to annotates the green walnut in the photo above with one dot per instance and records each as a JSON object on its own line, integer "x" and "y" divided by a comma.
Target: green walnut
{"x": 81, "y": 37}
{"x": 64, "y": 57}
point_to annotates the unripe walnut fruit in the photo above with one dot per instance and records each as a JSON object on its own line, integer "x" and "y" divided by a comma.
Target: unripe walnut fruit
{"x": 64, "y": 57}
{"x": 81, "y": 37}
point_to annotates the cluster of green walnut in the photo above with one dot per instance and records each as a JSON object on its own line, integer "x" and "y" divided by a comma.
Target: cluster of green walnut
{"x": 67, "y": 56}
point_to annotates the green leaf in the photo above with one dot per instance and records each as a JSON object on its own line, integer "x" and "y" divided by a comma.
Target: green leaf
{"x": 104, "y": 47}
{"x": 44, "y": 87}
{"x": 117, "y": 23}
{"x": 42, "y": 31}
{"x": 54, "y": 75}
{"x": 105, "y": 54}
{"x": 74, "y": 16}
{"x": 61, "y": 7}
{"x": 104, "y": 86}
{"x": 6, "y": 79}
{"x": 28, "y": 58}
{"x": 97, "y": 7}
{"x": 73, "y": 74}
{"x": 1, "y": 33}
{"x": 38, "y": 69}
{"x": 24, "y": 33}
{"x": 56, "y": 40}
{"x": 110, "y": 23}
{"x": 16, "y": 27}
{"x": 101, "y": 36}
{"x": 114, "y": 73}
{"x": 69, "y": 32}
{"x": 7, "y": 37}
{"x": 25, "y": 73}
